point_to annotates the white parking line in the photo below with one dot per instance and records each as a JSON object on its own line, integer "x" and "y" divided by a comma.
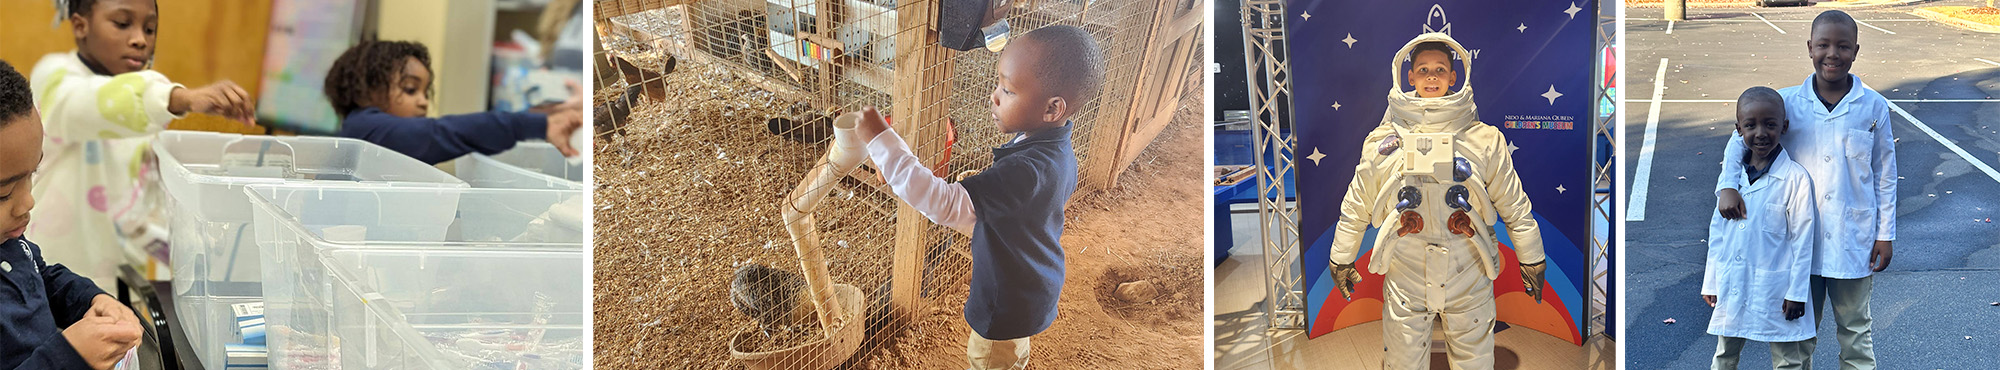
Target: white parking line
{"x": 1670, "y": 27}
{"x": 1768, "y": 22}
{"x": 1635, "y": 199}
{"x": 1987, "y": 61}
{"x": 1874, "y": 27}
{"x": 1947, "y": 143}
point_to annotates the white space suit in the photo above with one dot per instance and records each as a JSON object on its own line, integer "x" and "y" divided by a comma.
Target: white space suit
{"x": 1435, "y": 179}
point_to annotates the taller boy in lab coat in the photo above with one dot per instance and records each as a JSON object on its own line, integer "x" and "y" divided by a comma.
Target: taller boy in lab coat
{"x": 1757, "y": 274}
{"x": 1841, "y": 135}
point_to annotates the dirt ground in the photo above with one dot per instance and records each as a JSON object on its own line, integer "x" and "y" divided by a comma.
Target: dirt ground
{"x": 693, "y": 189}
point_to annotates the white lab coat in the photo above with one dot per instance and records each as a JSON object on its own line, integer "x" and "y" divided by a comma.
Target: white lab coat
{"x": 1758, "y": 262}
{"x": 1851, "y": 154}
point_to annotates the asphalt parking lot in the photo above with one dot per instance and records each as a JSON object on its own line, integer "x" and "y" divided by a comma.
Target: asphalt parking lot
{"x": 1931, "y": 307}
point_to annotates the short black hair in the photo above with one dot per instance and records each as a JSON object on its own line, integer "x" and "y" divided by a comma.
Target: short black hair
{"x": 1835, "y": 18}
{"x": 1438, "y": 46}
{"x": 16, "y": 99}
{"x": 81, "y": 6}
{"x": 368, "y": 71}
{"x": 1070, "y": 65}
{"x": 1760, "y": 94}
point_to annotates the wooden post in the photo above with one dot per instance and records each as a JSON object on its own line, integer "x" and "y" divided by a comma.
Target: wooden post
{"x": 1170, "y": 45}
{"x": 923, "y": 83}
{"x": 1677, "y": 10}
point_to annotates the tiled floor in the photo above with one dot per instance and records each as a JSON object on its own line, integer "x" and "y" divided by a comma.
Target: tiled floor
{"x": 1241, "y": 341}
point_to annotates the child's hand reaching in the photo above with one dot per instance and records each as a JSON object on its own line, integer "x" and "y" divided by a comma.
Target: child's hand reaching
{"x": 103, "y": 341}
{"x": 871, "y": 124}
{"x": 562, "y": 124}
{"x": 1794, "y": 310}
{"x": 224, "y": 99}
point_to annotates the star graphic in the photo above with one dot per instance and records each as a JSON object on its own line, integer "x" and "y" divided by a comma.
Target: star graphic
{"x": 1552, "y": 95}
{"x": 1349, "y": 40}
{"x": 1336, "y": 105}
{"x": 1511, "y": 148}
{"x": 1572, "y": 10}
{"x": 1316, "y": 156}
{"x": 1309, "y": 16}
{"x": 1559, "y": 189}
{"x": 1523, "y": 28}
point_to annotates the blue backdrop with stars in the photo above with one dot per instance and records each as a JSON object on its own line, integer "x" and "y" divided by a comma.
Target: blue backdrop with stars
{"x": 1532, "y": 62}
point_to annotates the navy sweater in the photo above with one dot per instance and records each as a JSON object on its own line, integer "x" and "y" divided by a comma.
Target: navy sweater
{"x": 36, "y": 302}
{"x": 435, "y": 140}
{"x": 1017, "y": 260}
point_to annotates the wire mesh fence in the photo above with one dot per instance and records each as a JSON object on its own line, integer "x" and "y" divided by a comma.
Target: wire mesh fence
{"x": 710, "y": 114}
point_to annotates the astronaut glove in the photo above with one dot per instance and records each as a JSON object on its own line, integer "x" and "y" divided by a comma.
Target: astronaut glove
{"x": 1532, "y": 276}
{"x": 1344, "y": 277}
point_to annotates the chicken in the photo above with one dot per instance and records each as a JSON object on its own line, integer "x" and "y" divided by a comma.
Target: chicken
{"x": 655, "y": 83}
{"x": 775, "y": 298}
{"x": 612, "y": 114}
{"x": 801, "y": 123}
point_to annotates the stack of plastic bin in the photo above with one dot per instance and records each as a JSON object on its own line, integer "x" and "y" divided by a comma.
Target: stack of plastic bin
{"x": 408, "y": 278}
{"x": 215, "y": 260}
{"x": 530, "y": 165}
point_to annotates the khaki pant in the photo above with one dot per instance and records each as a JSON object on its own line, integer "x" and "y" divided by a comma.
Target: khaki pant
{"x": 988, "y": 354}
{"x": 1426, "y": 281}
{"x": 1851, "y": 321}
{"x": 1784, "y": 355}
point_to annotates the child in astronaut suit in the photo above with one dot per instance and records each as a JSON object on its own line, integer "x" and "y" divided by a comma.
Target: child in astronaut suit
{"x": 1435, "y": 179}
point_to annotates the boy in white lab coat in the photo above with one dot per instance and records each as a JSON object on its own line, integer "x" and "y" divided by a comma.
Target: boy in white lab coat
{"x": 1843, "y": 139}
{"x": 1758, "y": 271}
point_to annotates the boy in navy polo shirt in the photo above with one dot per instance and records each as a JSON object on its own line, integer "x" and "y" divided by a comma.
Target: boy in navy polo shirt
{"x": 50, "y": 318}
{"x": 1014, "y": 209}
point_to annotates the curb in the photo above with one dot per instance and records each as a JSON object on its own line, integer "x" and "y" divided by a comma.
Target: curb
{"x": 1871, "y": 5}
{"x": 1823, "y": 4}
{"x": 1742, "y": 4}
{"x": 1935, "y": 16}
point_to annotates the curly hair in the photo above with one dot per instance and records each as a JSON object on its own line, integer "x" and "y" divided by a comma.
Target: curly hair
{"x": 80, "y": 6}
{"x": 16, "y": 99}
{"x": 367, "y": 72}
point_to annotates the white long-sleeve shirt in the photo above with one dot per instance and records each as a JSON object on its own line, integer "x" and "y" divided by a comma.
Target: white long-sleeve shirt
{"x": 1850, "y": 152}
{"x": 944, "y": 203}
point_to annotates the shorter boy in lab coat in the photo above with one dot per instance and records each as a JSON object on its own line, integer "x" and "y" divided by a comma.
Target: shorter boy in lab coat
{"x": 1759, "y": 266}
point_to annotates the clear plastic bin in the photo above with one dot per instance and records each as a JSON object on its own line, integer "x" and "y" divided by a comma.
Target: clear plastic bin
{"x": 407, "y": 278}
{"x": 215, "y": 261}
{"x": 530, "y": 165}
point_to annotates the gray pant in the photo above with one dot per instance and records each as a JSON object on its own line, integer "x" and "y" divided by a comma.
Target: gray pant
{"x": 1851, "y": 320}
{"x": 1784, "y": 355}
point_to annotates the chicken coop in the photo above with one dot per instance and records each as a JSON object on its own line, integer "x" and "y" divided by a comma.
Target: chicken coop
{"x": 752, "y": 88}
